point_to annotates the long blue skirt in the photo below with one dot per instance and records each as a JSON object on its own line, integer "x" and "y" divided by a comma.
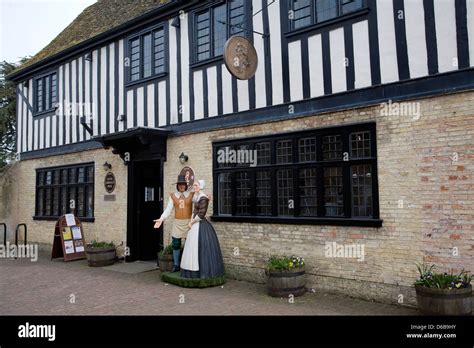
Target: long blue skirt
{"x": 211, "y": 263}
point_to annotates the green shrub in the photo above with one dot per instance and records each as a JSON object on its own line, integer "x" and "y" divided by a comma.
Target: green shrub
{"x": 449, "y": 281}
{"x": 101, "y": 244}
{"x": 167, "y": 251}
{"x": 284, "y": 263}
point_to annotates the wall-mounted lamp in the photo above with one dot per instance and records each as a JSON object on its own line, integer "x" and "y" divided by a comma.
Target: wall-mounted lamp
{"x": 107, "y": 166}
{"x": 183, "y": 158}
{"x": 89, "y": 57}
{"x": 121, "y": 118}
{"x": 26, "y": 84}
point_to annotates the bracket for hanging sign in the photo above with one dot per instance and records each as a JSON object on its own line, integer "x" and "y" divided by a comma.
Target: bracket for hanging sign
{"x": 248, "y": 30}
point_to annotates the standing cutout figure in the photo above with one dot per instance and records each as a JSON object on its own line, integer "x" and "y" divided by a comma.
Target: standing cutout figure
{"x": 202, "y": 256}
{"x": 181, "y": 202}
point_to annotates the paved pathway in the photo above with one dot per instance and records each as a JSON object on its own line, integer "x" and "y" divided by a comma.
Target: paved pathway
{"x": 48, "y": 288}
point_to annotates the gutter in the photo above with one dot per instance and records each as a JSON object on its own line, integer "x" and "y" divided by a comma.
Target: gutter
{"x": 161, "y": 12}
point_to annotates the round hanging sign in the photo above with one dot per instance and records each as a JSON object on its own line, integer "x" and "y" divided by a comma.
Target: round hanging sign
{"x": 240, "y": 57}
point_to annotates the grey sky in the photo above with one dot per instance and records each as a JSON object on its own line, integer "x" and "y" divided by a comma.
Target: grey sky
{"x": 26, "y": 26}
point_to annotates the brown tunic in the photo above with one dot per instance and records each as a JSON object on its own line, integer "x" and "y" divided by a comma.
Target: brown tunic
{"x": 182, "y": 206}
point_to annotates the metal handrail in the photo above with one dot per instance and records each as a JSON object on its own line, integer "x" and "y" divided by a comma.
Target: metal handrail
{"x": 18, "y": 230}
{"x": 4, "y": 233}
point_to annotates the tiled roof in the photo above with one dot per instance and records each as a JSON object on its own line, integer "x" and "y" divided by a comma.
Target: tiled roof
{"x": 96, "y": 19}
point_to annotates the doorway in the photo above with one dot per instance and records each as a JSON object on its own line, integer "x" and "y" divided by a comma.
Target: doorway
{"x": 145, "y": 205}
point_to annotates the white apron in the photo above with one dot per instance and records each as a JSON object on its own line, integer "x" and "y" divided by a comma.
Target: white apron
{"x": 190, "y": 258}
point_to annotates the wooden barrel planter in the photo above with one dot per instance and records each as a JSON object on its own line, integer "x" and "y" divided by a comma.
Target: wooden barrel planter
{"x": 433, "y": 301}
{"x": 165, "y": 262}
{"x": 99, "y": 257}
{"x": 285, "y": 283}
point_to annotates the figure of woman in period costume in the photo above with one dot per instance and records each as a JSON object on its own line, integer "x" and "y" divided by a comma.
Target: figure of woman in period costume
{"x": 202, "y": 256}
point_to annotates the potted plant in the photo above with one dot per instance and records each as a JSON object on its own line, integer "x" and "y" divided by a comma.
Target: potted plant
{"x": 101, "y": 253}
{"x": 443, "y": 293}
{"x": 286, "y": 276}
{"x": 165, "y": 259}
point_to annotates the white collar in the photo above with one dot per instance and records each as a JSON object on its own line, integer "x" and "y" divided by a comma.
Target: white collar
{"x": 177, "y": 194}
{"x": 197, "y": 197}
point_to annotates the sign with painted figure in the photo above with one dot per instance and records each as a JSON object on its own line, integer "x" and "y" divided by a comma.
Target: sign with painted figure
{"x": 188, "y": 174}
{"x": 240, "y": 57}
{"x": 109, "y": 182}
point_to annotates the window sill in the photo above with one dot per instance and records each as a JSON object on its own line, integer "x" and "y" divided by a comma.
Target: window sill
{"x": 327, "y": 23}
{"x": 45, "y": 112}
{"x": 148, "y": 79}
{"x": 300, "y": 220}
{"x": 206, "y": 62}
{"x": 55, "y": 218}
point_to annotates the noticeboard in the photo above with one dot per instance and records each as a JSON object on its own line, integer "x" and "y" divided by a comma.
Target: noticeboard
{"x": 69, "y": 241}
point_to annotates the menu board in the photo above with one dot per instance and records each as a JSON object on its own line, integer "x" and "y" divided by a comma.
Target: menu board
{"x": 69, "y": 239}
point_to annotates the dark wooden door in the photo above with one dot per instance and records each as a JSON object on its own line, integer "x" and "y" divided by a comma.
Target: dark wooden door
{"x": 147, "y": 200}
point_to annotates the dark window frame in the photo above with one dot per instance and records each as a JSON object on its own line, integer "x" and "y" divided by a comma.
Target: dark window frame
{"x": 347, "y": 218}
{"x": 291, "y": 30}
{"x": 128, "y": 54}
{"x": 47, "y": 94}
{"x": 194, "y": 61}
{"x": 88, "y": 184}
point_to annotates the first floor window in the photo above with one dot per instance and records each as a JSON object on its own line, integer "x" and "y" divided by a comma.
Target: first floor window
{"x": 214, "y": 25}
{"x": 147, "y": 54}
{"x": 46, "y": 91}
{"x": 318, "y": 174}
{"x": 64, "y": 190}
{"x": 307, "y": 12}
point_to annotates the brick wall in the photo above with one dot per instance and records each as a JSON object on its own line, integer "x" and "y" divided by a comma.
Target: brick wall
{"x": 426, "y": 187}
{"x": 110, "y": 217}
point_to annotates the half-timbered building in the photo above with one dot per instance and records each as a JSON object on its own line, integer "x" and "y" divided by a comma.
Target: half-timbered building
{"x": 360, "y": 114}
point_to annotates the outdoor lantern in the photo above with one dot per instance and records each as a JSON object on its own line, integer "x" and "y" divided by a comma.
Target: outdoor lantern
{"x": 183, "y": 158}
{"x": 107, "y": 166}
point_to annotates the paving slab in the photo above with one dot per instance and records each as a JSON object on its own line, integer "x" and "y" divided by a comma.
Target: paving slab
{"x": 55, "y": 287}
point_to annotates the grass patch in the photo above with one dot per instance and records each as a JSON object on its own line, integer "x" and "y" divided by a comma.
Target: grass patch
{"x": 176, "y": 279}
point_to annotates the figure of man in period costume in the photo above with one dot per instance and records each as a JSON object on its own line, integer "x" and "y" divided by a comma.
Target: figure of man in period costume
{"x": 182, "y": 203}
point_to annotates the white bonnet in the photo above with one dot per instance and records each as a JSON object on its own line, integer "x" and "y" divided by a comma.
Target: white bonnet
{"x": 202, "y": 184}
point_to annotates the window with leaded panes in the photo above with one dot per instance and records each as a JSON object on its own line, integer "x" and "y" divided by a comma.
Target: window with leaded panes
{"x": 224, "y": 185}
{"x": 263, "y": 192}
{"x": 46, "y": 91}
{"x": 303, "y": 13}
{"x": 63, "y": 190}
{"x": 326, "y": 175}
{"x": 147, "y": 54}
{"x": 308, "y": 192}
{"x": 242, "y": 188}
{"x": 214, "y": 25}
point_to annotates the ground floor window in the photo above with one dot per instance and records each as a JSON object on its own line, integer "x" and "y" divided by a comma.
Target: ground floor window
{"x": 321, "y": 176}
{"x": 63, "y": 190}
